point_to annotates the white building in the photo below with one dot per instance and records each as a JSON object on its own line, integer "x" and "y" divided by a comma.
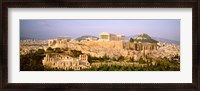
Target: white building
{"x": 104, "y": 36}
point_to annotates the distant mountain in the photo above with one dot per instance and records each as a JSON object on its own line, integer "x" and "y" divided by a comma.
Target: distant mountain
{"x": 85, "y": 37}
{"x": 143, "y": 38}
{"x": 166, "y": 40}
{"x": 33, "y": 38}
{"x": 156, "y": 38}
{"x": 30, "y": 38}
{"x": 26, "y": 38}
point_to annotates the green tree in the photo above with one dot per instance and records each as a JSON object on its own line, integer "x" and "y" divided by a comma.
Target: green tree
{"x": 49, "y": 49}
{"x": 131, "y": 40}
{"x": 58, "y": 50}
{"x": 141, "y": 61}
{"x": 76, "y": 53}
{"x": 121, "y": 58}
{"x": 40, "y": 51}
{"x": 113, "y": 59}
{"x": 32, "y": 61}
{"x": 131, "y": 59}
{"x": 105, "y": 57}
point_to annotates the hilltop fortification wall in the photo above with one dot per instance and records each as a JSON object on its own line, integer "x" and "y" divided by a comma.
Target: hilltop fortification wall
{"x": 106, "y": 44}
{"x": 140, "y": 46}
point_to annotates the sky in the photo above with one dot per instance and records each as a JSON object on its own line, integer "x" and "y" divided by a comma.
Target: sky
{"x": 52, "y": 28}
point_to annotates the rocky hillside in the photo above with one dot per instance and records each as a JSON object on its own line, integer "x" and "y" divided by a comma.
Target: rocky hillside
{"x": 85, "y": 37}
{"x": 143, "y": 38}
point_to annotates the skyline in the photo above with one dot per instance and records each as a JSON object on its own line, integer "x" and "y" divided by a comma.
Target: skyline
{"x": 48, "y": 28}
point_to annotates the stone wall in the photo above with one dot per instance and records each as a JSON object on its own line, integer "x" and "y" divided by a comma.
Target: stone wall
{"x": 65, "y": 62}
{"x": 107, "y": 44}
{"x": 140, "y": 46}
{"x": 104, "y": 44}
{"x": 121, "y": 45}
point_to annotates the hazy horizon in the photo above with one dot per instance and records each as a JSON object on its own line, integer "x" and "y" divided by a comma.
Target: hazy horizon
{"x": 52, "y": 28}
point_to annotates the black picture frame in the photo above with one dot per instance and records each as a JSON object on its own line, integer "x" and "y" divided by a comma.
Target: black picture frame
{"x": 194, "y": 4}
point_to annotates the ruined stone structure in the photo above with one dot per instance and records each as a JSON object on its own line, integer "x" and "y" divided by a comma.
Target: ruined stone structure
{"x": 111, "y": 48}
{"x": 60, "y": 41}
{"x": 66, "y": 62}
{"x": 106, "y": 44}
{"x": 121, "y": 45}
{"x": 140, "y": 46}
{"x": 106, "y": 40}
{"x": 104, "y": 36}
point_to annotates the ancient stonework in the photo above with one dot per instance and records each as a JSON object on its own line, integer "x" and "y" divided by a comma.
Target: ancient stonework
{"x": 106, "y": 44}
{"x": 108, "y": 48}
{"x": 66, "y": 62}
{"x": 104, "y": 36}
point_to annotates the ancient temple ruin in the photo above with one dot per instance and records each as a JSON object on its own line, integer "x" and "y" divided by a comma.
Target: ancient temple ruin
{"x": 61, "y": 61}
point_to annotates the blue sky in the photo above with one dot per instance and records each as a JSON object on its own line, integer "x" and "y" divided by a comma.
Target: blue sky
{"x": 52, "y": 28}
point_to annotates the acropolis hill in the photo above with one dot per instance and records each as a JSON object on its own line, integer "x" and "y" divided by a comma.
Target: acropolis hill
{"x": 108, "y": 44}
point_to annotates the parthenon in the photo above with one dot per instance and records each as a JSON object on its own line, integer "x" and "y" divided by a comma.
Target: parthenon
{"x": 104, "y": 36}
